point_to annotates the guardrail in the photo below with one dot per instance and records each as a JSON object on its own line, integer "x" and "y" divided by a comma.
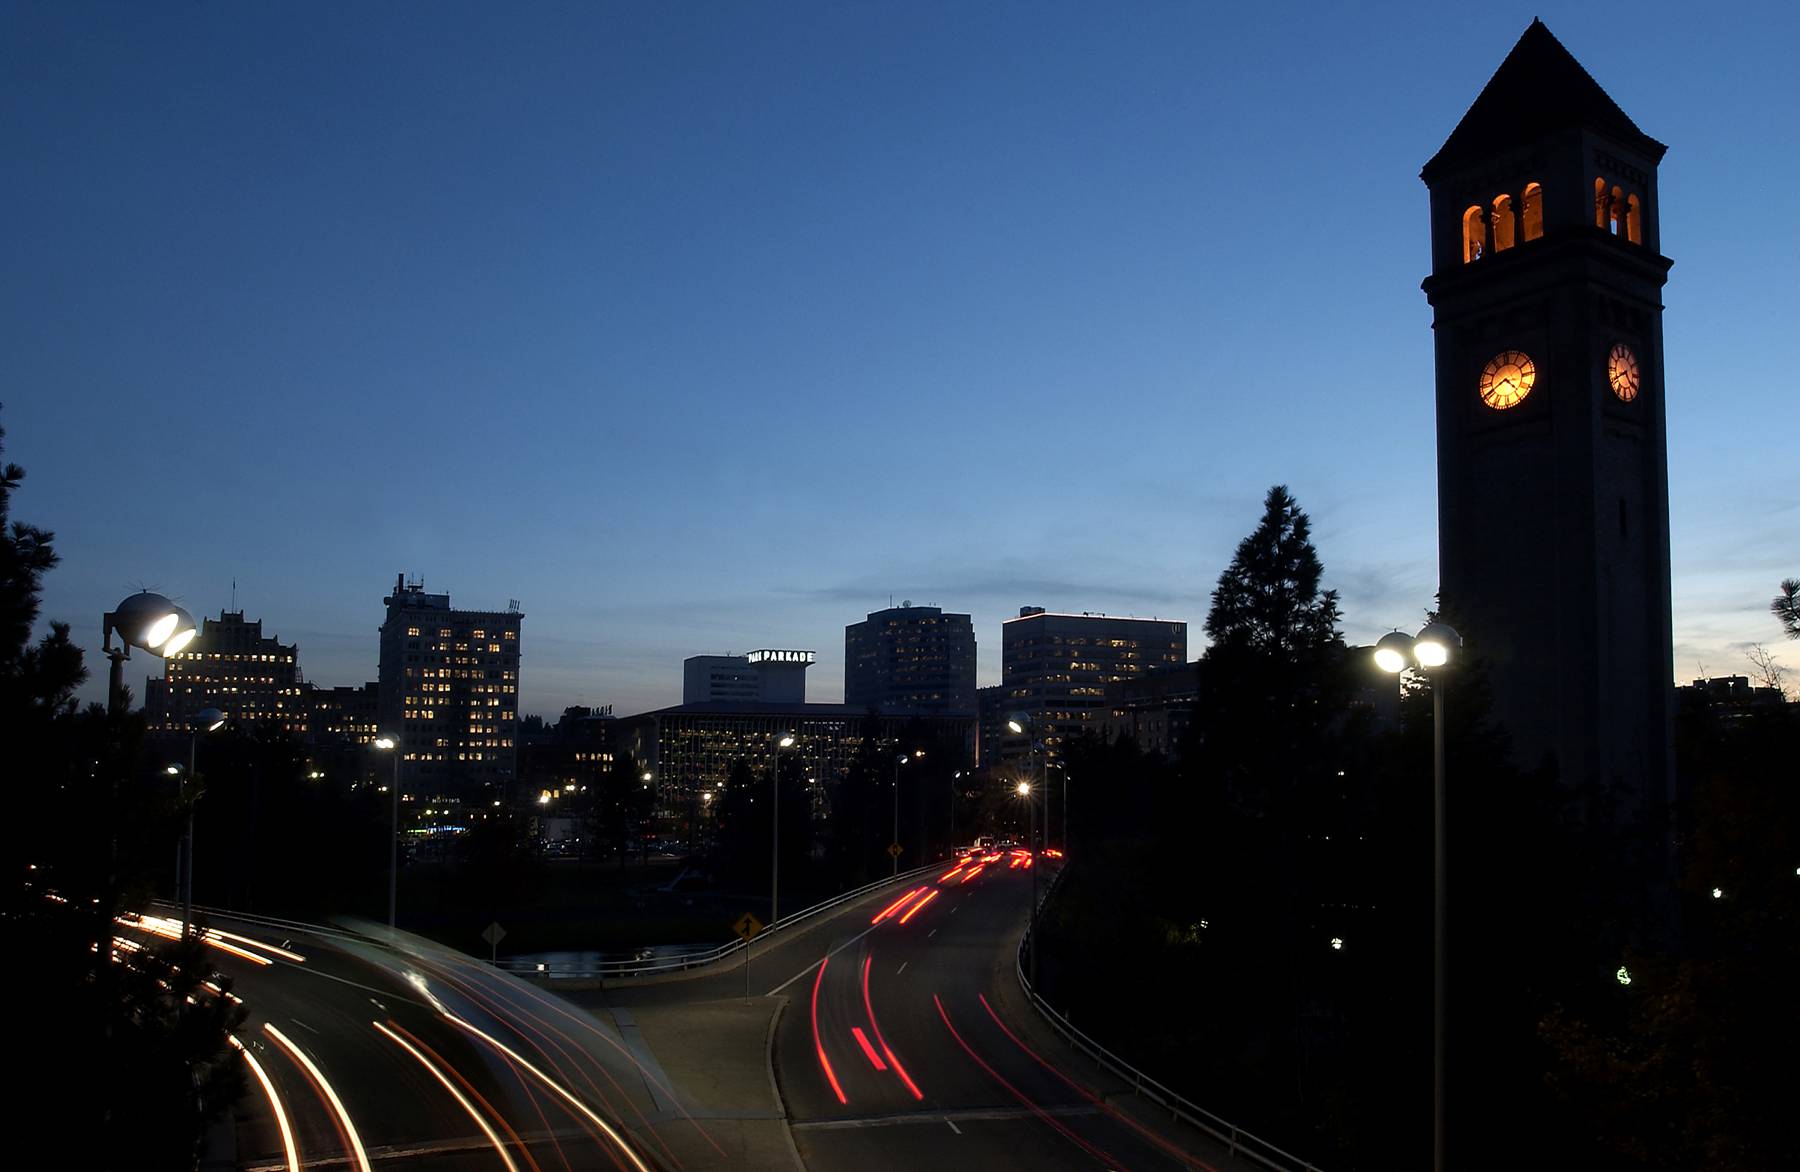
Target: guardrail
{"x": 1236, "y": 1138}
{"x": 647, "y": 966}
{"x": 651, "y": 966}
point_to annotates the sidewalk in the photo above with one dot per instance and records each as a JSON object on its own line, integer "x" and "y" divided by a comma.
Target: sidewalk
{"x": 714, "y": 1055}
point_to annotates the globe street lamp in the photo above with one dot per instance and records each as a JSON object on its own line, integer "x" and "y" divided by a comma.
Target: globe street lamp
{"x": 392, "y": 745}
{"x": 1435, "y": 650}
{"x": 205, "y": 721}
{"x": 783, "y": 740}
{"x": 147, "y": 621}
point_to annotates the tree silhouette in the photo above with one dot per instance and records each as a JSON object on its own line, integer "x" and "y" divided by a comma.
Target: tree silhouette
{"x": 1786, "y": 607}
{"x": 123, "y": 1069}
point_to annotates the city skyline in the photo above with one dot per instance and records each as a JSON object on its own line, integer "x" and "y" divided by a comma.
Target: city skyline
{"x": 435, "y": 336}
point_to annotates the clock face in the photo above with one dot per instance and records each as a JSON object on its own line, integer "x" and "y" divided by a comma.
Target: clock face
{"x": 1507, "y": 379}
{"x": 1622, "y": 372}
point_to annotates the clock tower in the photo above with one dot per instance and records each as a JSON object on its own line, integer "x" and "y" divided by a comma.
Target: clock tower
{"x": 1553, "y": 499}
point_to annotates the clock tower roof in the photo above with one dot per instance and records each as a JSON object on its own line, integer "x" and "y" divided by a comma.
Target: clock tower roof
{"x": 1538, "y": 90}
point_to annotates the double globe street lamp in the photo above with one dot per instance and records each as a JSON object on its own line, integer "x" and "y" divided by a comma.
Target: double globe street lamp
{"x": 1435, "y": 650}
{"x": 149, "y": 622}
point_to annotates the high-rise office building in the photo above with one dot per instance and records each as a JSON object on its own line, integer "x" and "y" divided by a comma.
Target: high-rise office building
{"x": 1055, "y": 668}
{"x": 449, "y": 685}
{"x": 768, "y": 676}
{"x": 911, "y": 659}
{"x": 233, "y": 667}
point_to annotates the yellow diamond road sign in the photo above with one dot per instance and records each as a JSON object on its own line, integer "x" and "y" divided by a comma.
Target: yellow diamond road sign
{"x": 895, "y": 849}
{"x": 747, "y": 926}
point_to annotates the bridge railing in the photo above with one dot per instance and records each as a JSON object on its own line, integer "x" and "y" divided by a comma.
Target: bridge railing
{"x": 626, "y": 967}
{"x": 676, "y": 962}
{"x": 1239, "y": 1141}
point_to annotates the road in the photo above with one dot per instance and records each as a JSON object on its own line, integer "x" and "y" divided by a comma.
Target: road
{"x": 363, "y": 1055}
{"x": 907, "y": 1043}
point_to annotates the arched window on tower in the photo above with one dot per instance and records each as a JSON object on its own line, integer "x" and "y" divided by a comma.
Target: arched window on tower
{"x": 1503, "y": 223}
{"x": 1474, "y": 225}
{"x": 1531, "y": 223}
{"x": 1615, "y": 213}
{"x": 1634, "y": 220}
{"x": 1601, "y": 203}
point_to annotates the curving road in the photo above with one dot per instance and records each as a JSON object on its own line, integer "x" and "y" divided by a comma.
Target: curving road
{"x": 363, "y": 1055}
{"x": 905, "y": 1043}
{"x": 910, "y": 1046}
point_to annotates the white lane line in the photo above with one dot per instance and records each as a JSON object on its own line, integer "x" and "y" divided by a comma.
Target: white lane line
{"x": 953, "y": 1126}
{"x": 953, "y": 910}
{"x": 303, "y": 1025}
{"x": 932, "y": 933}
{"x": 902, "y": 967}
{"x": 815, "y": 964}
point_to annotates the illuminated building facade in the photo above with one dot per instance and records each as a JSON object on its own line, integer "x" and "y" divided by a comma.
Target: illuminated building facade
{"x": 230, "y": 666}
{"x": 911, "y": 659}
{"x": 690, "y": 749}
{"x": 343, "y": 715}
{"x": 767, "y": 676}
{"x": 1056, "y": 668}
{"x": 449, "y": 684}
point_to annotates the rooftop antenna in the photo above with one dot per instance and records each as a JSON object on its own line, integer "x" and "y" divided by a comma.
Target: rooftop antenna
{"x": 234, "y": 594}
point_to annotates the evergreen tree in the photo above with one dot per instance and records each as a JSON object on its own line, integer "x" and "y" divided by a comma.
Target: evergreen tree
{"x": 1786, "y": 607}
{"x": 1268, "y": 602}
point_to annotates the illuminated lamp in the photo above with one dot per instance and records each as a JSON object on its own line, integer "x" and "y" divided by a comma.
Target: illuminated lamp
{"x": 1393, "y": 652}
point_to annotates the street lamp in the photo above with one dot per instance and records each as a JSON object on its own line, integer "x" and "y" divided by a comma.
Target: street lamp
{"x": 1048, "y": 766}
{"x": 782, "y": 741}
{"x": 392, "y": 745}
{"x": 1437, "y": 646}
{"x": 1023, "y": 789}
{"x": 207, "y": 720}
{"x": 144, "y": 620}
{"x": 954, "y": 778}
{"x": 900, "y": 760}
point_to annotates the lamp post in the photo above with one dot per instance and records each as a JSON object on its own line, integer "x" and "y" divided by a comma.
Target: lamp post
{"x": 899, "y": 760}
{"x": 783, "y": 741}
{"x": 207, "y": 720}
{"x": 392, "y": 745}
{"x": 144, "y": 620}
{"x": 1436, "y": 649}
{"x": 1024, "y": 791}
{"x": 1048, "y": 766}
{"x": 954, "y": 778}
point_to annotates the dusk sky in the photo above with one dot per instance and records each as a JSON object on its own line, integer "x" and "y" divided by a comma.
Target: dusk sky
{"x": 708, "y": 327}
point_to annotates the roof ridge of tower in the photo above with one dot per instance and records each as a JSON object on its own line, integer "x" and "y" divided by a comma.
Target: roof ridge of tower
{"x": 1539, "y": 89}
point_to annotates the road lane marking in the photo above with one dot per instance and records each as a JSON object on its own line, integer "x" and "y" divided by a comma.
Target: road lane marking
{"x": 933, "y": 932}
{"x": 869, "y": 1007}
{"x": 972, "y": 1114}
{"x": 904, "y": 963}
{"x": 953, "y": 1126}
{"x": 303, "y": 1025}
{"x": 1024, "y": 1100}
{"x": 815, "y": 964}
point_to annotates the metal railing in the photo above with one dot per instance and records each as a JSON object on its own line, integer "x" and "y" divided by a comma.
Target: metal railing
{"x": 653, "y": 965}
{"x": 631, "y": 967}
{"x": 1239, "y": 1141}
